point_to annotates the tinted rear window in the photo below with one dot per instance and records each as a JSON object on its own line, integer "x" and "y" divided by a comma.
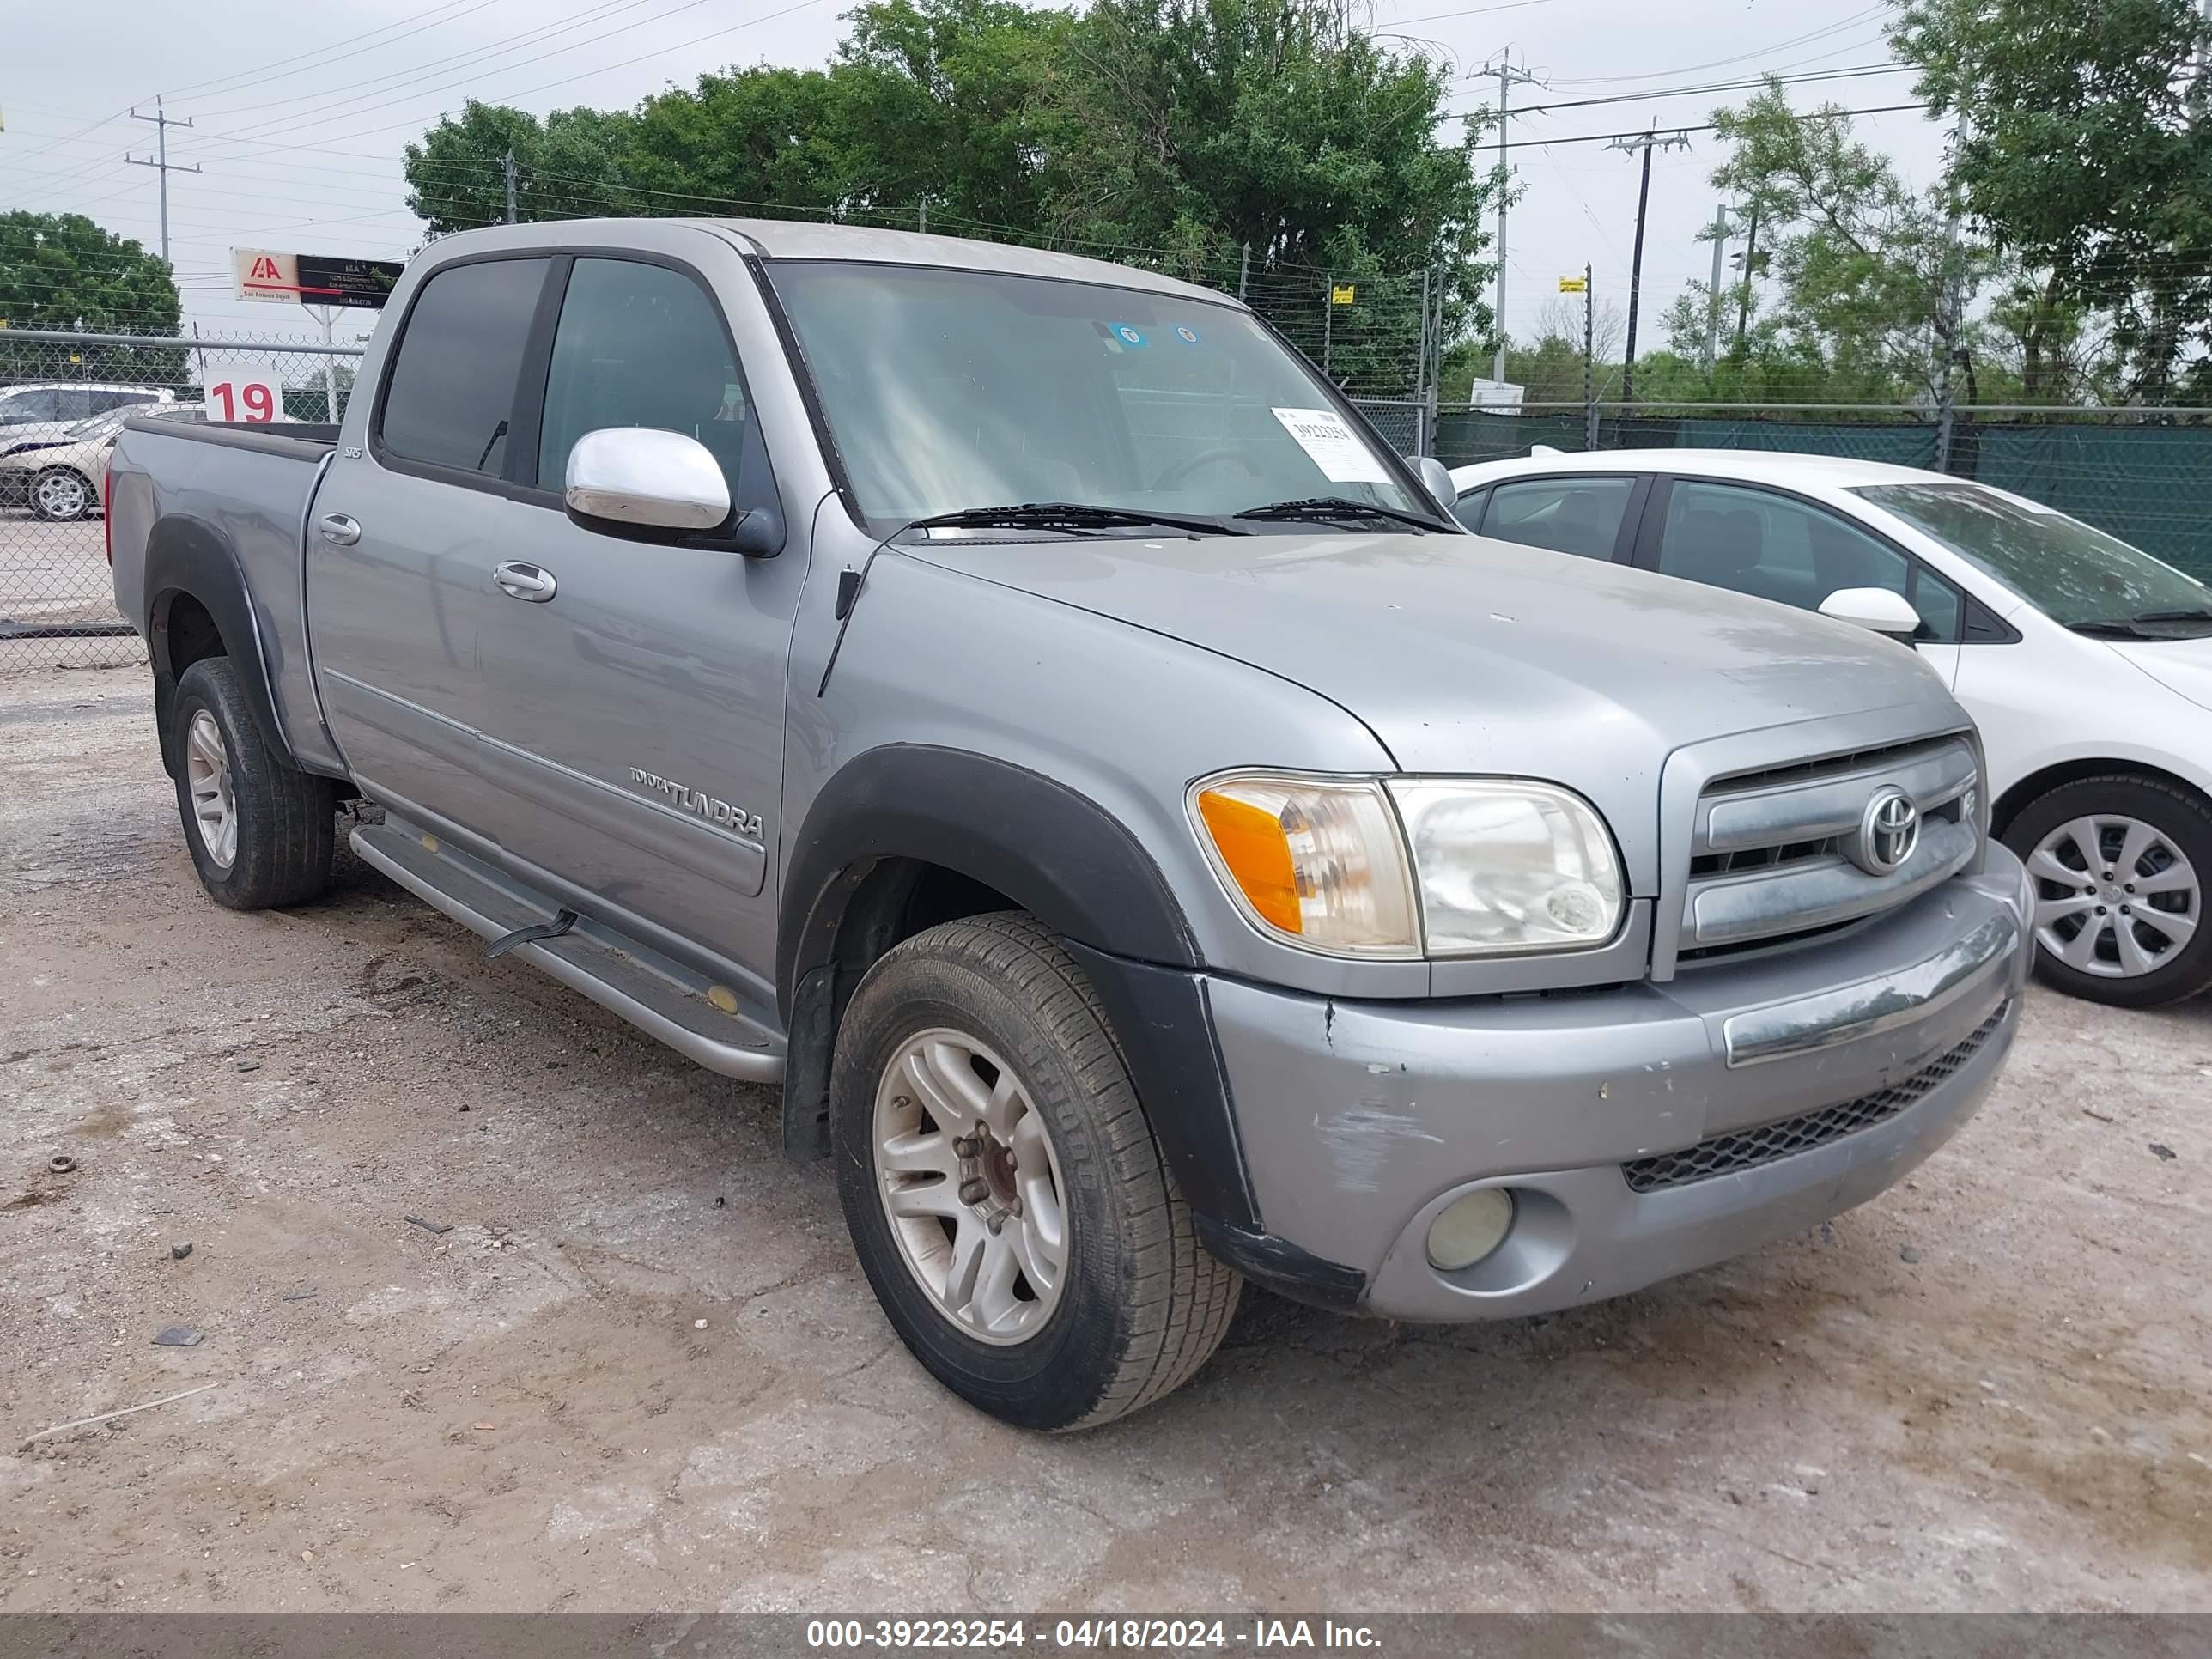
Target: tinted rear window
{"x": 452, "y": 383}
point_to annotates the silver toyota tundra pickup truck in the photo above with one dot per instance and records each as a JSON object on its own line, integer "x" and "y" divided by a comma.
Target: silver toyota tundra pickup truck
{"x": 1015, "y": 703}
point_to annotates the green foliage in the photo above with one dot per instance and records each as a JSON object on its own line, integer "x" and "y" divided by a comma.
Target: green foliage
{"x": 62, "y": 271}
{"x": 2084, "y": 150}
{"x": 1172, "y": 133}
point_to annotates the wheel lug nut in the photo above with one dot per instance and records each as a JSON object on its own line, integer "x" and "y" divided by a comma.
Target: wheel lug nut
{"x": 2101, "y": 909}
{"x": 974, "y": 1190}
{"x": 997, "y": 1224}
{"x": 901, "y": 1101}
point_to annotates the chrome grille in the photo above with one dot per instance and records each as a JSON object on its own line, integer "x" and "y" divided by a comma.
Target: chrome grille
{"x": 1744, "y": 1149}
{"x": 1771, "y": 851}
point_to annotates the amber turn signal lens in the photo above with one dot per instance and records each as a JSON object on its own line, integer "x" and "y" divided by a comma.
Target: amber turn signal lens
{"x": 1257, "y": 855}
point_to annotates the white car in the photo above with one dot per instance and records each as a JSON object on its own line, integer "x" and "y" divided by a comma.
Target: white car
{"x": 62, "y": 477}
{"x": 2086, "y": 663}
{"x": 36, "y": 413}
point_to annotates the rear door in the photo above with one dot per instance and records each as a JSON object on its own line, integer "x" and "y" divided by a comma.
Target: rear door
{"x": 403, "y": 537}
{"x": 1592, "y": 515}
{"x": 635, "y": 714}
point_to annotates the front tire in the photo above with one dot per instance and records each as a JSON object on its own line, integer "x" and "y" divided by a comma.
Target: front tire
{"x": 2120, "y": 866}
{"x": 261, "y": 834}
{"x": 61, "y": 493}
{"x": 1003, "y": 1189}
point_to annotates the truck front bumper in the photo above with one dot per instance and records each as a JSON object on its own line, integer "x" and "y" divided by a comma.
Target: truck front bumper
{"x": 1641, "y": 1131}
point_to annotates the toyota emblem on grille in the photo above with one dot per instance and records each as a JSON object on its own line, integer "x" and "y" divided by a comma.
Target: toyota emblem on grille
{"x": 1889, "y": 832}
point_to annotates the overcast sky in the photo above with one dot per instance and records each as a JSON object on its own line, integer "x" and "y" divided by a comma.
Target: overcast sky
{"x": 301, "y": 111}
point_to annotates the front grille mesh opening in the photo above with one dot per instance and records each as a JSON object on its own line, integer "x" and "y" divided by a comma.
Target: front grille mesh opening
{"x": 1745, "y": 1149}
{"x": 1707, "y": 865}
{"x": 1775, "y": 777}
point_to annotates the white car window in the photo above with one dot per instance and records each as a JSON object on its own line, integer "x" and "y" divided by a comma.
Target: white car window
{"x": 1775, "y": 547}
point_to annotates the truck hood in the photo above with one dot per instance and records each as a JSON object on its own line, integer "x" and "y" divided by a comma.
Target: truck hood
{"x": 1464, "y": 655}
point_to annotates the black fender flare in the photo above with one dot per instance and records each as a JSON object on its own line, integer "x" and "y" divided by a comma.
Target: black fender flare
{"x": 1057, "y": 854}
{"x": 188, "y": 556}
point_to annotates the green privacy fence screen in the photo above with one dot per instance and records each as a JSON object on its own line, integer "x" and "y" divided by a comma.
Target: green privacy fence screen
{"x": 2148, "y": 483}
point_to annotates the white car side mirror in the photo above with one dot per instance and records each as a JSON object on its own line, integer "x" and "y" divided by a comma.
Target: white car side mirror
{"x": 1873, "y": 608}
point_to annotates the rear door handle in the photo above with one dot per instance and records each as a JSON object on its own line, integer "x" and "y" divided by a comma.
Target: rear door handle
{"x": 518, "y": 581}
{"x": 338, "y": 530}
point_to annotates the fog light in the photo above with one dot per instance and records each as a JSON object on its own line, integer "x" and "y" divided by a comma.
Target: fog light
{"x": 1470, "y": 1228}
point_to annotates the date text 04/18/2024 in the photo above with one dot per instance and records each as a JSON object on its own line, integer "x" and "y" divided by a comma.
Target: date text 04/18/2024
{"x": 1163, "y": 1635}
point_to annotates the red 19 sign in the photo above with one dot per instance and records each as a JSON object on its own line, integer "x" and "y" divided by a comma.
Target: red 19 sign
{"x": 255, "y": 402}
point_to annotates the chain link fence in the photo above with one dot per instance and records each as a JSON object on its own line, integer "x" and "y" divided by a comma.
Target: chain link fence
{"x": 63, "y": 397}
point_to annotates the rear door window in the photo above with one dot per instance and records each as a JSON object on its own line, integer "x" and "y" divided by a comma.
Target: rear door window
{"x": 1576, "y": 515}
{"x": 451, "y": 392}
{"x": 1467, "y": 509}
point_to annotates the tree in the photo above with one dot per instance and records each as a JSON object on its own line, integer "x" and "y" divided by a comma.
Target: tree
{"x": 62, "y": 271}
{"x": 2083, "y": 151}
{"x": 1875, "y": 281}
{"x": 571, "y": 164}
{"x": 1173, "y": 133}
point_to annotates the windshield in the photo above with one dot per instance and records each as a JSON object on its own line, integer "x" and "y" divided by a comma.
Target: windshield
{"x": 951, "y": 390}
{"x": 95, "y": 426}
{"x": 2073, "y": 574}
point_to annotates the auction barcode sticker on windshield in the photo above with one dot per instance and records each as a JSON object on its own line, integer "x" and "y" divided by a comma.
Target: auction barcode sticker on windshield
{"x": 1332, "y": 446}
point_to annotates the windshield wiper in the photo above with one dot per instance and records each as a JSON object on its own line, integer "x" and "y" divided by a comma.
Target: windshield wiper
{"x": 2150, "y": 625}
{"x": 1334, "y": 508}
{"x": 2187, "y": 614}
{"x": 1073, "y": 516}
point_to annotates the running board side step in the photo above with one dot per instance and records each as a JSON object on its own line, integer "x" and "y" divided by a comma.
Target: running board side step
{"x": 704, "y": 1022}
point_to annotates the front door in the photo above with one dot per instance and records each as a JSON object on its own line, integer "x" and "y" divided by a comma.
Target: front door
{"x": 635, "y": 712}
{"x": 402, "y": 538}
{"x": 1782, "y": 547}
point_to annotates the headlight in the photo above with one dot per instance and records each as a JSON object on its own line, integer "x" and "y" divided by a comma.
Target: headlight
{"x": 1497, "y": 866}
{"x": 1317, "y": 861}
{"x": 1507, "y": 865}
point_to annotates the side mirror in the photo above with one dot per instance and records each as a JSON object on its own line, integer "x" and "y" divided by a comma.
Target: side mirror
{"x": 1873, "y": 608}
{"x": 638, "y": 477}
{"x": 1438, "y": 479}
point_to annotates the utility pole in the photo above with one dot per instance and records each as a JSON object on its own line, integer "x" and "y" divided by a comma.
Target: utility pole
{"x": 162, "y": 122}
{"x": 1750, "y": 267}
{"x": 1646, "y": 142}
{"x": 1507, "y": 74}
{"x": 1328, "y": 322}
{"x": 506, "y": 168}
{"x": 1244, "y": 261}
{"x": 1721, "y": 228}
{"x": 921, "y": 216}
{"x": 1590, "y": 359}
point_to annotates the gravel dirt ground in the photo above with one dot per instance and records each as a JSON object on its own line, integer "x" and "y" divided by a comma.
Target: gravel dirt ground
{"x": 642, "y": 1371}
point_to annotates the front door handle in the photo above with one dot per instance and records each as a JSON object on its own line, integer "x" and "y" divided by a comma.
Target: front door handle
{"x": 338, "y": 530}
{"x": 518, "y": 581}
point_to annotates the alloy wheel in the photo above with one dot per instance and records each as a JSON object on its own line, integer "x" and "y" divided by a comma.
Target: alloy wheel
{"x": 207, "y": 774}
{"x": 2115, "y": 897}
{"x": 970, "y": 1185}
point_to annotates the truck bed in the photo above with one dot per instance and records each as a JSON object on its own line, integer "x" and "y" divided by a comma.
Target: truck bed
{"x": 171, "y": 483}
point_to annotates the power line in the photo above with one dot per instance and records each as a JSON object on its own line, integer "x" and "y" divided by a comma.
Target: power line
{"x": 1851, "y": 21}
{"x": 1855, "y": 73}
{"x": 1708, "y": 126}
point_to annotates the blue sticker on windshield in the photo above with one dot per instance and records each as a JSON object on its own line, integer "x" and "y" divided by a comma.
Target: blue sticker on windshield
{"x": 1186, "y": 333}
{"x": 1130, "y": 338}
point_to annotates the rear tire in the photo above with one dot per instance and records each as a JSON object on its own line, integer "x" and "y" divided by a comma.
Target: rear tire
{"x": 261, "y": 833}
{"x": 2125, "y": 927}
{"x": 1006, "y": 1031}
